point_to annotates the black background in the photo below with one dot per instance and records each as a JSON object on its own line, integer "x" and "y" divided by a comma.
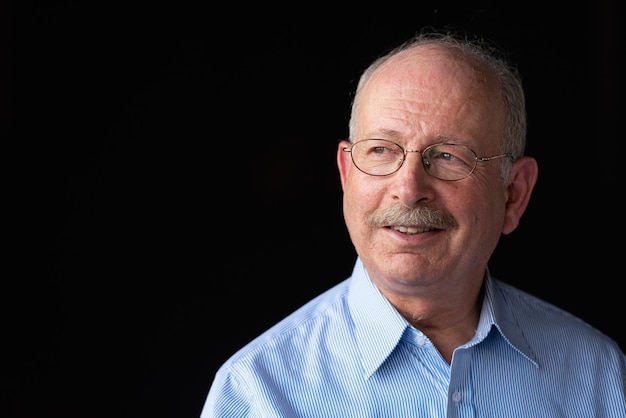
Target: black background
{"x": 177, "y": 191}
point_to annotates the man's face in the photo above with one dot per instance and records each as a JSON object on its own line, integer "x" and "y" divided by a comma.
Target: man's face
{"x": 416, "y": 99}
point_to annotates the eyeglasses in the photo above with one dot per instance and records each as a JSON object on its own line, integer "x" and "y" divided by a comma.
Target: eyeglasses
{"x": 450, "y": 162}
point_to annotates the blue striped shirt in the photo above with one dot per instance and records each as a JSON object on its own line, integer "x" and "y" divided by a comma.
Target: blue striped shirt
{"x": 349, "y": 353}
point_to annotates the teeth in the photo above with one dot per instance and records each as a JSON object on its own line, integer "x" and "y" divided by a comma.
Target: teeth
{"x": 410, "y": 230}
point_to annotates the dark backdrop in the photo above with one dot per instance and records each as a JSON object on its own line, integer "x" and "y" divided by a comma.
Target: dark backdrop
{"x": 178, "y": 191}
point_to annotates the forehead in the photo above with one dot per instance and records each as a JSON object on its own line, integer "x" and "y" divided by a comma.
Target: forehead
{"x": 432, "y": 86}
{"x": 435, "y": 65}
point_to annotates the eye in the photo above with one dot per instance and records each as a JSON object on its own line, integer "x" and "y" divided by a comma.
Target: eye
{"x": 380, "y": 150}
{"x": 450, "y": 154}
{"x": 444, "y": 156}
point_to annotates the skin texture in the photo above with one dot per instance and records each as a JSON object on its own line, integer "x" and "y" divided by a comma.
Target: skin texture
{"x": 422, "y": 96}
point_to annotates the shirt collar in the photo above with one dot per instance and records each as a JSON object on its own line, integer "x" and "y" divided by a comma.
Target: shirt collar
{"x": 379, "y": 326}
{"x": 503, "y": 318}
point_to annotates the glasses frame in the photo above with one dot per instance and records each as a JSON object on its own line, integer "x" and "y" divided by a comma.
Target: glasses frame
{"x": 405, "y": 151}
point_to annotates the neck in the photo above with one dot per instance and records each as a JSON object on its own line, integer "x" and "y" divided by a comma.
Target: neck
{"x": 449, "y": 324}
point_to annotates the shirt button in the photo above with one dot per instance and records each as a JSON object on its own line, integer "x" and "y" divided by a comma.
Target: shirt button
{"x": 456, "y": 396}
{"x": 420, "y": 339}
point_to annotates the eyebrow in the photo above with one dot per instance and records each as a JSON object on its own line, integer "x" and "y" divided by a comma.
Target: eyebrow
{"x": 395, "y": 136}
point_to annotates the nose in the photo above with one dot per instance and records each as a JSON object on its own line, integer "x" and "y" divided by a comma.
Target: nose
{"x": 412, "y": 183}
{"x": 419, "y": 156}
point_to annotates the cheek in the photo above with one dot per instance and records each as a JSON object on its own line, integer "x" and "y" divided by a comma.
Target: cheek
{"x": 475, "y": 206}
{"x": 361, "y": 197}
{"x": 364, "y": 190}
{"x": 460, "y": 202}
{"x": 487, "y": 213}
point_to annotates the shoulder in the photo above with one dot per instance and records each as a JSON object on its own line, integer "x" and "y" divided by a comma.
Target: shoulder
{"x": 548, "y": 324}
{"x": 290, "y": 354}
{"x": 298, "y": 331}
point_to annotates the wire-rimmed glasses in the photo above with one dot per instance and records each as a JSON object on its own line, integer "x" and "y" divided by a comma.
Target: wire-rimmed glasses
{"x": 449, "y": 162}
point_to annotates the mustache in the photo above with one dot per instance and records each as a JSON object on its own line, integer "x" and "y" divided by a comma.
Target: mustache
{"x": 421, "y": 215}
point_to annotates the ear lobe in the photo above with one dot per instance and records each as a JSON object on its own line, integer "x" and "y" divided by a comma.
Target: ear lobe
{"x": 522, "y": 179}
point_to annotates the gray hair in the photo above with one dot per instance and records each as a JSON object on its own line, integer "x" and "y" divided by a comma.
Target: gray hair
{"x": 514, "y": 136}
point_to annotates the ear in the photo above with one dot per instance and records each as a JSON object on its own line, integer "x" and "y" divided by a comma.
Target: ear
{"x": 344, "y": 161}
{"x": 521, "y": 182}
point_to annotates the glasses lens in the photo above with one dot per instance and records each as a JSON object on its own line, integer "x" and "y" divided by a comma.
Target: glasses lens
{"x": 448, "y": 161}
{"x": 377, "y": 157}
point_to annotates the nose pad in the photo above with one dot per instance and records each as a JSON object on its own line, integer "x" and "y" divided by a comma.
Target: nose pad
{"x": 425, "y": 162}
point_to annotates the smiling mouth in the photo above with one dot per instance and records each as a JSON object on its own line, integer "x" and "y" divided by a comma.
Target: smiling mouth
{"x": 412, "y": 230}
